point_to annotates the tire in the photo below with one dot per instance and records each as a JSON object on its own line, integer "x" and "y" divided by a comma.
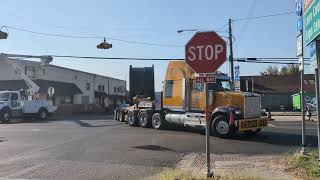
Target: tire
{"x": 220, "y": 127}
{"x": 5, "y": 116}
{"x": 252, "y": 132}
{"x": 132, "y": 119}
{"x": 43, "y": 114}
{"x": 158, "y": 121}
{"x": 144, "y": 119}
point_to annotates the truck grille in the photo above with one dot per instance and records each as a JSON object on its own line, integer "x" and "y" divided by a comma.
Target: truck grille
{"x": 252, "y": 107}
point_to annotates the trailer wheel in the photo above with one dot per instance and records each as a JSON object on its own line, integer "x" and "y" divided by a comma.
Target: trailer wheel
{"x": 220, "y": 127}
{"x": 131, "y": 119}
{"x": 43, "y": 114}
{"x": 144, "y": 119}
{"x": 5, "y": 116}
{"x": 158, "y": 121}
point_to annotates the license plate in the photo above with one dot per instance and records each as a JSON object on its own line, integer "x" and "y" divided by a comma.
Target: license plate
{"x": 252, "y": 124}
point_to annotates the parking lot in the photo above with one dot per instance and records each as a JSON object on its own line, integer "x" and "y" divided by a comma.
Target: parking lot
{"x": 96, "y": 146}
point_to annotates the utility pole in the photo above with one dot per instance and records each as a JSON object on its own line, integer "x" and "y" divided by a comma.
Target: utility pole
{"x": 231, "y": 55}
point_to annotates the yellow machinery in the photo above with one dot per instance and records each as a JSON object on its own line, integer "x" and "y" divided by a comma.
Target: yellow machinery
{"x": 183, "y": 102}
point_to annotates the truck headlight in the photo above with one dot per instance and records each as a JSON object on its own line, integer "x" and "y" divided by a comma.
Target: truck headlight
{"x": 237, "y": 112}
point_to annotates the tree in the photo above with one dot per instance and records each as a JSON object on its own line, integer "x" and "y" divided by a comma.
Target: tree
{"x": 271, "y": 70}
{"x": 291, "y": 69}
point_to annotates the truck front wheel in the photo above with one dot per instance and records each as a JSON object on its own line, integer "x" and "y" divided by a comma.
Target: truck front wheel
{"x": 43, "y": 114}
{"x": 5, "y": 116}
{"x": 220, "y": 127}
{"x": 144, "y": 119}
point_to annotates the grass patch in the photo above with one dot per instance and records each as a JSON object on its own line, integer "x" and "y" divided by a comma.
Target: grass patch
{"x": 305, "y": 166}
{"x": 174, "y": 174}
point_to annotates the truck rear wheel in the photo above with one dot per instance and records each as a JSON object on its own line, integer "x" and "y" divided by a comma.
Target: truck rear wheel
{"x": 131, "y": 119}
{"x": 158, "y": 121}
{"x": 144, "y": 119}
{"x": 220, "y": 127}
{"x": 5, "y": 116}
{"x": 43, "y": 114}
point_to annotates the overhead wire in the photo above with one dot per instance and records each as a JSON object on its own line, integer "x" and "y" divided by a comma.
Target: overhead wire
{"x": 264, "y": 16}
{"x": 244, "y": 27}
{"x": 90, "y": 37}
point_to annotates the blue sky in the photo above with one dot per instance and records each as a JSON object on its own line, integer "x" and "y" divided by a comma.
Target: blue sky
{"x": 146, "y": 21}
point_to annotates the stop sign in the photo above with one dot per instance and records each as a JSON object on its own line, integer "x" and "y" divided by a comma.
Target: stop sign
{"x": 206, "y": 52}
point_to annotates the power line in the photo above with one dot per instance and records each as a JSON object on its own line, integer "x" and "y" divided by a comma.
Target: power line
{"x": 264, "y": 16}
{"x": 244, "y": 27}
{"x": 268, "y": 62}
{"x": 90, "y": 37}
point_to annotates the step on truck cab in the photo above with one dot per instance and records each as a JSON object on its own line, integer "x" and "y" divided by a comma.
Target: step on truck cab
{"x": 182, "y": 102}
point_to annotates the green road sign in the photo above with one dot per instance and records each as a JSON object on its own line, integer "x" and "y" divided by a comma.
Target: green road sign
{"x": 311, "y": 19}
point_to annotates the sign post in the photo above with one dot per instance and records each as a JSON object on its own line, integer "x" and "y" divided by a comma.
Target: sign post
{"x": 299, "y": 13}
{"x": 205, "y": 53}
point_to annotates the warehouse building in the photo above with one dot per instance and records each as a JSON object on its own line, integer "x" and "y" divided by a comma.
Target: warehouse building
{"x": 276, "y": 90}
{"x": 75, "y": 91}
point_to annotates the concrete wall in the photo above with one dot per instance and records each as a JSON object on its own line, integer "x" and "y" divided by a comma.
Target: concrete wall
{"x": 88, "y": 83}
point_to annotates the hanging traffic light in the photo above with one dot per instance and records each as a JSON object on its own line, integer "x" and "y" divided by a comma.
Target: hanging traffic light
{"x": 3, "y": 35}
{"x": 104, "y": 45}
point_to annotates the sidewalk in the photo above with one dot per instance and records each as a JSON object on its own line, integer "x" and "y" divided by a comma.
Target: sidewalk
{"x": 235, "y": 165}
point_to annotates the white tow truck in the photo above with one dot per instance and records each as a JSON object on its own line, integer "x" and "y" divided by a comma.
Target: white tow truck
{"x": 20, "y": 103}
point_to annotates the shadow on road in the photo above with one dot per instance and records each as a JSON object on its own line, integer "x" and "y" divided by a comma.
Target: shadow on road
{"x": 85, "y": 124}
{"x": 277, "y": 138}
{"x": 153, "y": 148}
{"x": 83, "y": 120}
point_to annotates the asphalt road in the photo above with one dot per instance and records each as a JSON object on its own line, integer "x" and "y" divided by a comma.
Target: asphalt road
{"x": 97, "y": 147}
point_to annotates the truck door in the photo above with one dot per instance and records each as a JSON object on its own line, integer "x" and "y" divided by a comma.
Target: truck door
{"x": 15, "y": 103}
{"x": 173, "y": 92}
{"x": 197, "y": 101}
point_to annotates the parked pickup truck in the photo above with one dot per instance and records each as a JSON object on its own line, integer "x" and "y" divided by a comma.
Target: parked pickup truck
{"x": 12, "y": 105}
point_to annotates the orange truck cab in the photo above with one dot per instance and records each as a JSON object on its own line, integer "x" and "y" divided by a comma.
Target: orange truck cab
{"x": 183, "y": 102}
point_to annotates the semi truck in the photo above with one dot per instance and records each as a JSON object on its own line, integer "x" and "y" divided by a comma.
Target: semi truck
{"x": 182, "y": 102}
{"x": 21, "y": 103}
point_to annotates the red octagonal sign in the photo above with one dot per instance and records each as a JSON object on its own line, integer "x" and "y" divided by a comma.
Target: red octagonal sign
{"x": 206, "y": 52}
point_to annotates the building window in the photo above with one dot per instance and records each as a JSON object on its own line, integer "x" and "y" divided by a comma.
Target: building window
{"x": 65, "y": 100}
{"x": 102, "y": 88}
{"x": 43, "y": 71}
{"x": 114, "y": 89}
{"x": 30, "y": 71}
{"x": 88, "y": 86}
{"x": 99, "y": 88}
{"x": 75, "y": 77}
{"x": 168, "y": 89}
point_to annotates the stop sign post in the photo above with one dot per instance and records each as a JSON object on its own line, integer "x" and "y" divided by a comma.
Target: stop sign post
{"x": 205, "y": 53}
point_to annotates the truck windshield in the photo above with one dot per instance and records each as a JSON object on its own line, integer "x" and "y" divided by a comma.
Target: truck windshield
{"x": 219, "y": 86}
{"x": 4, "y": 96}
